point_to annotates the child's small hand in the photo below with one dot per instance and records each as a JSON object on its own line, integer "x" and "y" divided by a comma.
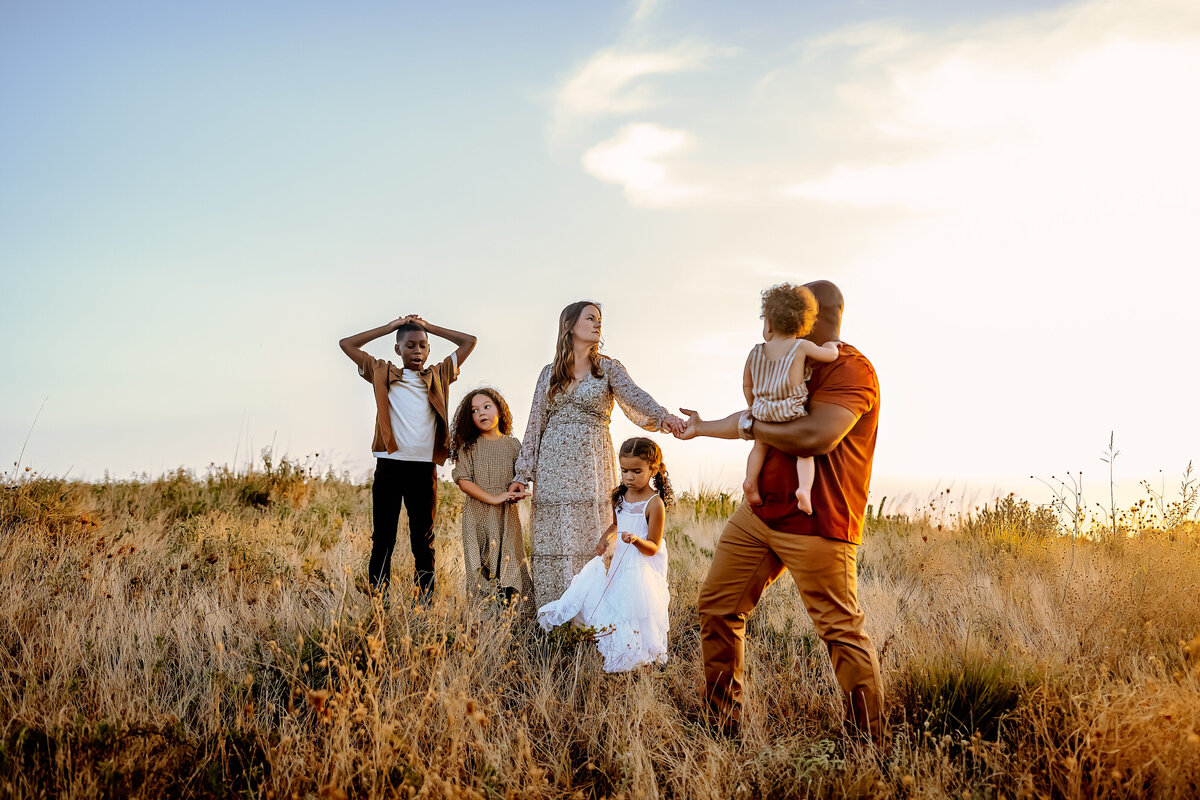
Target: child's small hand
{"x": 673, "y": 425}
{"x": 510, "y": 497}
{"x": 627, "y": 537}
{"x": 601, "y": 546}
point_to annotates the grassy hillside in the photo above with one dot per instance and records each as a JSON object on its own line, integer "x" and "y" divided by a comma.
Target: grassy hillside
{"x": 210, "y": 636}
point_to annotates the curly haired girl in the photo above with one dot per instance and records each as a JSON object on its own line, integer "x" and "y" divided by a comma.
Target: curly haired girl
{"x": 776, "y": 374}
{"x": 484, "y": 453}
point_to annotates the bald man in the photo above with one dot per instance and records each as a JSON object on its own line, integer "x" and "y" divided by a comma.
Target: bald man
{"x": 819, "y": 549}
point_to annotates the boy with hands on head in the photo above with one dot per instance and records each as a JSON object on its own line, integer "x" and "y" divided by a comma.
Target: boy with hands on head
{"x": 411, "y": 438}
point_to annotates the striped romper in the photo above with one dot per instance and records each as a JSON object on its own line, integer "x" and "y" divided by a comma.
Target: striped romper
{"x": 775, "y": 398}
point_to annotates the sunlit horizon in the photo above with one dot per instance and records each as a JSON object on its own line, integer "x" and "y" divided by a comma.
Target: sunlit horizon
{"x": 196, "y": 204}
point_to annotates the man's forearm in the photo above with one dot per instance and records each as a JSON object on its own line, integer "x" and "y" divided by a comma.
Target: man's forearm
{"x": 726, "y": 428}
{"x": 813, "y": 435}
{"x": 789, "y": 437}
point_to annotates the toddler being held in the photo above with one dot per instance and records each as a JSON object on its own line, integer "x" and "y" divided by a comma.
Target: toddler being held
{"x": 776, "y": 375}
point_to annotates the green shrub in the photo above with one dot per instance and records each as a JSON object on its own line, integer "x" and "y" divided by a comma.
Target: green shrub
{"x": 963, "y": 694}
{"x": 1011, "y": 518}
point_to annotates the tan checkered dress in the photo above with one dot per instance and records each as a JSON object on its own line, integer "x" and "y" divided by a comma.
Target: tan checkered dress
{"x": 493, "y": 543}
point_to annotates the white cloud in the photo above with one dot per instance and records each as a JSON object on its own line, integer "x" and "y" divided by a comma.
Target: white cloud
{"x": 635, "y": 159}
{"x": 644, "y": 9}
{"x": 1087, "y": 106}
{"x": 613, "y": 82}
{"x": 868, "y": 42}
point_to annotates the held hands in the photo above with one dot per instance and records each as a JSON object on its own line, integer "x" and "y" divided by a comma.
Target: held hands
{"x": 517, "y": 486}
{"x": 689, "y": 428}
{"x": 673, "y": 425}
{"x": 510, "y": 496}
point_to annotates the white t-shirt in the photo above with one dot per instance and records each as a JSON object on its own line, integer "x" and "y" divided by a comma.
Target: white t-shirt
{"x": 414, "y": 422}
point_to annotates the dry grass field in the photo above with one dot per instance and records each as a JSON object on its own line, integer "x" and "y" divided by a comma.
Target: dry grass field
{"x": 210, "y": 637}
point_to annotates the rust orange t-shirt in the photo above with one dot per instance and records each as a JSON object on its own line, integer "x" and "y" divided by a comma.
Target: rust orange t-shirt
{"x": 839, "y": 493}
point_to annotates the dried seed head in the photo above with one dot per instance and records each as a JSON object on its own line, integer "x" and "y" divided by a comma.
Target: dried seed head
{"x": 318, "y": 698}
{"x": 475, "y": 713}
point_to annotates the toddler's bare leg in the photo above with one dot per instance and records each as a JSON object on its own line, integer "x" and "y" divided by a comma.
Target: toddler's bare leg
{"x": 806, "y": 470}
{"x": 754, "y": 465}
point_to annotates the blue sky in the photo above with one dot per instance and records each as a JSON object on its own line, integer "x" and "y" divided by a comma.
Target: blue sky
{"x": 197, "y": 202}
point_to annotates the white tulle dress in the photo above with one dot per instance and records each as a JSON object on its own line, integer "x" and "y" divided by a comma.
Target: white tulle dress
{"x": 627, "y": 605}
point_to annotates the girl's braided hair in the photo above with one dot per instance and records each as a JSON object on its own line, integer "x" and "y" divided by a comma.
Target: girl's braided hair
{"x": 647, "y": 450}
{"x": 465, "y": 432}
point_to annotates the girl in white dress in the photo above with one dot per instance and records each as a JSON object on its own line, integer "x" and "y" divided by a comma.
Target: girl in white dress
{"x": 776, "y": 375}
{"x": 622, "y": 592}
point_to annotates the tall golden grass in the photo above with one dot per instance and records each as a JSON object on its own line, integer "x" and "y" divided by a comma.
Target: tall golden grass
{"x": 210, "y": 637}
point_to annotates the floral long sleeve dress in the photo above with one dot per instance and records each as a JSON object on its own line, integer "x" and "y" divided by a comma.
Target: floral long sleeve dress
{"x": 568, "y": 456}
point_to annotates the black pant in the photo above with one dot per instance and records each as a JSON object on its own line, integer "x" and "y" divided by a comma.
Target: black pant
{"x": 415, "y": 484}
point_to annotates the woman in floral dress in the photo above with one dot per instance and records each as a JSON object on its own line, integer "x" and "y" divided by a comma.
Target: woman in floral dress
{"x": 567, "y": 453}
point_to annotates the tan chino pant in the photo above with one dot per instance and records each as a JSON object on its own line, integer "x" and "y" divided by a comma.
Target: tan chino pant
{"x": 748, "y": 558}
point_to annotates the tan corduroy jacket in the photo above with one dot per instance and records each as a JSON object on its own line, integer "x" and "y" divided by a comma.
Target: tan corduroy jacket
{"x": 380, "y": 374}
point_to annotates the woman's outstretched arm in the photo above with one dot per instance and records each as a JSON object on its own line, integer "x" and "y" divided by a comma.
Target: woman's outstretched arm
{"x": 642, "y": 409}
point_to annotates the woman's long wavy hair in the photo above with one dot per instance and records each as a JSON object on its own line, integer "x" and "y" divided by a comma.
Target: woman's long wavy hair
{"x": 465, "y": 432}
{"x": 562, "y": 373}
{"x": 647, "y": 450}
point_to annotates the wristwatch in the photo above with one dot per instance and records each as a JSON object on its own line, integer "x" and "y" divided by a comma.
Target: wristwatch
{"x": 746, "y": 425}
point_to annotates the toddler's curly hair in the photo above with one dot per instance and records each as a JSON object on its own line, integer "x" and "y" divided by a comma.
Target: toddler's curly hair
{"x": 791, "y": 310}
